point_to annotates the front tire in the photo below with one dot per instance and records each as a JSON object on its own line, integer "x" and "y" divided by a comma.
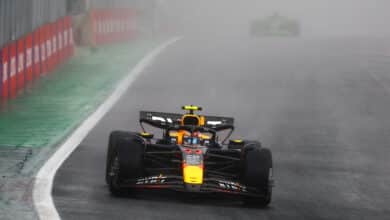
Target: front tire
{"x": 115, "y": 136}
{"x": 257, "y": 173}
{"x": 114, "y": 176}
{"x": 125, "y": 161}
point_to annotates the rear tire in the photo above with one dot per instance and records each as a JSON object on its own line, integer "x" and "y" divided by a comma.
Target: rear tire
{"x": 256, "y": 173}
{"x": 125, "y": 161}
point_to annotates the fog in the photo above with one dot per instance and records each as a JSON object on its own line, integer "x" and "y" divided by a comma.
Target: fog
{"x": 317, "y": 17}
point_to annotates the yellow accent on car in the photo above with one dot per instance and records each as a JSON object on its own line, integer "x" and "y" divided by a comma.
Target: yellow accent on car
{"x": 205, "y": 137}
{"x": 183, "y": 119}
{"x": 173, "y": 134}
{"x": 180, "y": 135}
{"x": 202, "y": 120}
{"x": 191, "y": 108}
{"x": 193, "y": 174}
{"x": 146, "y": 135}
{"x": 237, "y": 141}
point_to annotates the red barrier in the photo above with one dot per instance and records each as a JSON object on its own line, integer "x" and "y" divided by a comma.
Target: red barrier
{"x": 96, "y": 27}
{"x": 60, "y": 38}
{"x": 37, "y": 54}
{"x": 113, "y": 25}
{"x": 68, "y": 37}
{"x": 49, "y": 47}
{"x": 109, "y": 29}
{"x": 71, "y": 42}
{"x": 20, "y": 64}
{"x": 103, "y": 30}
{"x": 54, "y": 35}
{"x": 44, "y": 59}
{"x": 132, "y": 24}
{"x": 1, "y": 74}
{"x": 106, "y": 27}
{"x": 127, "y": 22}
{"x": 119, "y": 19}
{"x": 5, "y": 73}
{"x": 29, "y": 58}
{"x": 122, "y": 28}
{"x": 12, "y": 74}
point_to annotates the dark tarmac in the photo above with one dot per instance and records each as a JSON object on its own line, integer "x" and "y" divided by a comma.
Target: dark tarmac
{"x": 321, "y": 105}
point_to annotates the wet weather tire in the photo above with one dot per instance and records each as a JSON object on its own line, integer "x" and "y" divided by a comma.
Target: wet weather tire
{"x": 125, "y": 161}
{"x": 257, "y": 173}
{"x": 114, "y": 177}
{"x": 115, "y": 136}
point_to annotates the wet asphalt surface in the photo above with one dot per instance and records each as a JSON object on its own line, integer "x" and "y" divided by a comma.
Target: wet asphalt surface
{"x": 321, "y": 105}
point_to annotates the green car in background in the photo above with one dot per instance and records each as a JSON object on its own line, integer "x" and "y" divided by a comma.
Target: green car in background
{"x": 275, "y": 26}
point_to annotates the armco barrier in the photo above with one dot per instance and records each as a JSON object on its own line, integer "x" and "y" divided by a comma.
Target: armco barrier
{"x": 36, "y": 54}
{"x": 12, "y": 74}
{"x": 29, "y": 58}
{"x": 20, "y": 64}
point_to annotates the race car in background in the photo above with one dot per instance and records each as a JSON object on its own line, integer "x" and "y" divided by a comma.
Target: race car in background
{"x": 275, "y": 26}
{"x": 189, "y": 157}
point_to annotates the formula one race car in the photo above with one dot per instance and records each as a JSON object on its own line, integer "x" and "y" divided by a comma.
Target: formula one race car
{"x": 189, "y": 158}
{"x": 275, "y": 26}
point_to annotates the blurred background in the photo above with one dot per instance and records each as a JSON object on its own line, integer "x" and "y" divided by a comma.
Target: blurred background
{"x": 230, "y": 17}
{"x": 20, "y": 17}
{"x": 317, "y": 17}
{"x": 308, "y": 78}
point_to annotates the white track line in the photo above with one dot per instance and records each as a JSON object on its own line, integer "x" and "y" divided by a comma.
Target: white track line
{"x": 43, "y": 183}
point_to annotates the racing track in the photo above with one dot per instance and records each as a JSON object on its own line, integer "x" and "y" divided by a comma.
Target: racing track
{"x": 322, "y": 106}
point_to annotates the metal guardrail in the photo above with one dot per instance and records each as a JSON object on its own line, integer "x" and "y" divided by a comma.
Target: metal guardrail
{"x": 19, "y": 17}
{"x": 113, "y": 3}
{"x": 75, "y": 7}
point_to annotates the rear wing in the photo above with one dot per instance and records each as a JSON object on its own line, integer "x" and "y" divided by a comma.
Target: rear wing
{"x": 165, "y": 120}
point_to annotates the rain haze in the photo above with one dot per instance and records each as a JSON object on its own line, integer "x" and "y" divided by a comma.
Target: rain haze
{"x": 195, "y": 109}
{"x": 317, "y": 17}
